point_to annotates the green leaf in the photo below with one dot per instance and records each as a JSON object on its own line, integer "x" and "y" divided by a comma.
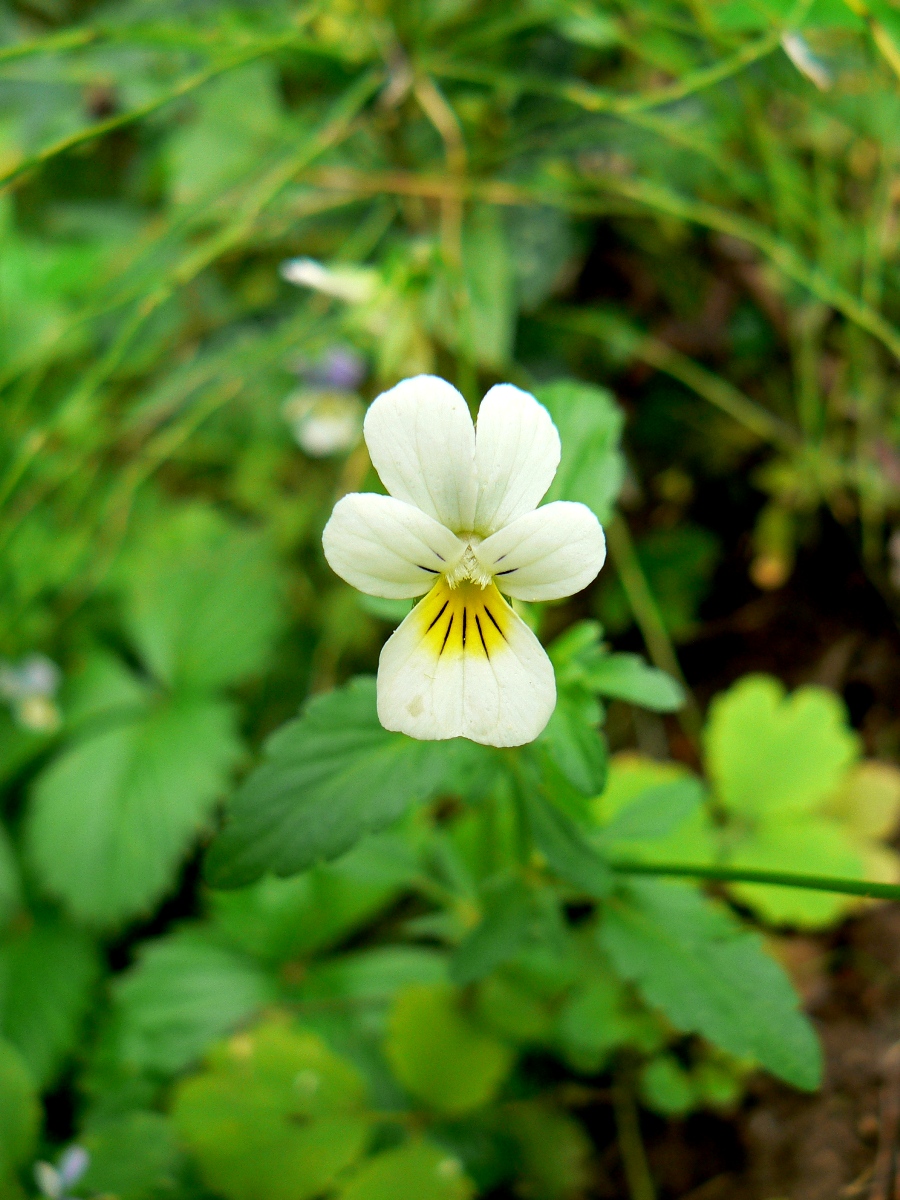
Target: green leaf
{"x": 419, "y": 1170}
{"x": 565, "y": 847}
{"x": 554, "y": 1151}
{"x": 771, "y": 755}
{"x": 590, "y": 427}
{"x": 628, "y": 677}
{"x": 47, "y": 977}
{"x": 19, "y": 1112}
{"x": 183, "y": 994}
{"x": 328, "y": 778}
{"x": 372, "y": 976}
{"x": 10, "y": 890}
{"x": 279, "y": 919}
{"x": 131, "y": 1157}
{"x": 573, "y": 744}
{"x": 691, "y": 959}
{"x": 656, "y": 812}
{"x": 276, "y": 1116}
{"x": 508, "y": 923}
{"x": 666, "y": 1087}
{"x": 596, "y": 1019}
{"x": 201, "y": 599}
{"x": 113, "y": 816}
{"x": 438, "y": 1052}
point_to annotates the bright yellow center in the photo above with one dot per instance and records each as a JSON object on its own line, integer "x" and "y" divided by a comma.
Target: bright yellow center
{"x": 466, "y": 619}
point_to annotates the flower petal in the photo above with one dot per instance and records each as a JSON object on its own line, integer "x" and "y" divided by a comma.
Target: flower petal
{"x": 552, "y": 552}
{"x": 387, "y": 548}
{"x": 463, "y": 664}
{"x": 422, "y": 444}
{"x": 516, "y": 455}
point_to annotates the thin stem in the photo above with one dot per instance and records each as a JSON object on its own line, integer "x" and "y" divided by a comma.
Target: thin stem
{"x": 815, "y": 883}
{"x": 631, "y": 1144}
{"x": 646, "y": 612}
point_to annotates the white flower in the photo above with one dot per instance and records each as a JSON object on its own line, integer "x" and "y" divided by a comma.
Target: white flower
{"x": 461, "y": 524}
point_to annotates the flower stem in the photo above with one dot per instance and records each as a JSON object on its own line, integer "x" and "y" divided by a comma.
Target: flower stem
{"x": 631, "y": 1145}
{"x": 818, "y": 883}
{"x": 646, "y": 612}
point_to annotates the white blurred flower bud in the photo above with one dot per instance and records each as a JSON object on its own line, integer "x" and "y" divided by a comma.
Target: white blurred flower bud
{"x": 29, "y": 686}
{"x": 324, "y": 422}
{"x": 797, "y": 49}
{"x": 355, "y": 285}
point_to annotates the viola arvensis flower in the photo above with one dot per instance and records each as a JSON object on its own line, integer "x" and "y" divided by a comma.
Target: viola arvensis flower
{"x": 462, "y": 524}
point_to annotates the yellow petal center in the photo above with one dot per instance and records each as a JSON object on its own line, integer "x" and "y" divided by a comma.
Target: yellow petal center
{"x": 465, "y": 619}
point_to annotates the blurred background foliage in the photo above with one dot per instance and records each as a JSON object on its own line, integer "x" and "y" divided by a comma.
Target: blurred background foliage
{"x": 225, "y": 227}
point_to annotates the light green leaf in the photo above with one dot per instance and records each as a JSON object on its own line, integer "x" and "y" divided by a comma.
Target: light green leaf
{"x": 47, "y": 976}
{"x": 596, "y": 1019}
{"x": 114, "y": 815}
{"x": 132, "y": 1157}
{"x": 770, "y": 755}
{"x": 816, "y": 845}
{"x": 327, "y": 779}
{"x": 19, "y": 1112}
{"x": 276, "y": 1116}
{"x": 438, "y": 1052}
{"x": 420, "y": 1170}
{"x": 183, "y": 994}
{"x": 691, "y": 959}
{"x": 628, "y": 677}
{"x": 590, "y": 426}
{"x": 201, "y": 599}
{"x": 656, "y": 812}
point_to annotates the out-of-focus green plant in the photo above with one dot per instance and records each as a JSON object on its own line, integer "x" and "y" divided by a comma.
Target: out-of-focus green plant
{"x": 224, "y": 227}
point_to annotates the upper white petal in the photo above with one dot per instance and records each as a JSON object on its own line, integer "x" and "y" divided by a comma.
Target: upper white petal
{"x": 386, "y": 547}
{"x": 422, "y": 444}
{"x": 552, "y": 552}
{"x": 516, "y": 455}
{"x": 504, "y": 699}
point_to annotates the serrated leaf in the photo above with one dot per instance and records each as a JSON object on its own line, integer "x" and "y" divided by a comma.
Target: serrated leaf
{"x": 183, "y": 994}
{"x": 589, "y": 421}
{"x": 201, "y": 599}
{"x": 770, "y": 755}
{"x": 628, "y": 677}
{"x": 327, "y": 779}
{"x": 420, "y": 1170}
{"x": 47, "y": 976}
{"x": 438, "y": 1052}
{"x": 691, "y": 959}
{"x": 276, "y": 1116}
{"x": 19, "y": 1112}
{"x": 113, "y": 816}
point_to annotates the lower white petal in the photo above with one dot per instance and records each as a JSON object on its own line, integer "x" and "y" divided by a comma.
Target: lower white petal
{"x": 386, "y": 547}
{"x": 463, "y": 664}
{"x": 552, "y": 552}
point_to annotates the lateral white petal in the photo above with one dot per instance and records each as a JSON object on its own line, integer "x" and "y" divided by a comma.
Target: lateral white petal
{"x": 386, "y": 547}
{"x": 422, "y": 444}
{"x": 552, "y": 552}
{"x": 498, "y": 690}
{"x": 516, "y": 455}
